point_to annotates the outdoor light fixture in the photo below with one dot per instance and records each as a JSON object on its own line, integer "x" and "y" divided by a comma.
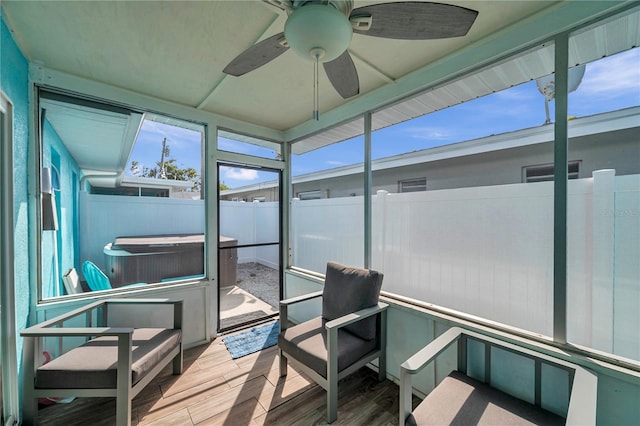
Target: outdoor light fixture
{"x": 318, "y": 33}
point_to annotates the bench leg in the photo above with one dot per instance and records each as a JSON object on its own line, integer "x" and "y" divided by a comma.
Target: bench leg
{"x": 30, "y": 403}
{"x": 177, "y": 363}
{"x": 382, "y": 366}
{"x": 332, "y": 400}
{"x": 123, "y": 384}
{"x": 123, "y": 411}
{"x": 382, "y": 359}
{"x": 283, "y": 364}
{"x": 29, "y": 410}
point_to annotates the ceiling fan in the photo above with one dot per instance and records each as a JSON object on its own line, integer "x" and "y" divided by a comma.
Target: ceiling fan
{"x": 321, "y": 30}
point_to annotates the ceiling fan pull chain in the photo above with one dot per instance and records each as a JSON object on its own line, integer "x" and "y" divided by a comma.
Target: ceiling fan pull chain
{"x": 316, "y": 91}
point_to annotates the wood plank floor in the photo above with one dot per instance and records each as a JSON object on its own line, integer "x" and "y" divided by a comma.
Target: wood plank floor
{"x": 217, "y": 390}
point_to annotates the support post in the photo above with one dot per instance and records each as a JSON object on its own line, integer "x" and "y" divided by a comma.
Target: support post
{"x": 560, "y": 175}
{"x": 367, "y": 190}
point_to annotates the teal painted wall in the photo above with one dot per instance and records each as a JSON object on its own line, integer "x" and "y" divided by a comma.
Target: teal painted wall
{"x": 14, "y": 73}
{"x": 59, "y": 248}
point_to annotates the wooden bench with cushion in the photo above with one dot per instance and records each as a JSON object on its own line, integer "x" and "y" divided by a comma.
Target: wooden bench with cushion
{"x": 463, "y": 400}
{"x": 113, "y": 362}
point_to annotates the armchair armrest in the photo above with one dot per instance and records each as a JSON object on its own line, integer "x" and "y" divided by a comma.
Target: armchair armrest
{"x": 60, "y": 319}
{"x": 430, "y": 352}
{"x": 355, "y": 316}
{"x": 417, "y": 362}
{"x": 583, "y": 392}
{"x": 284, "y": 306}
{"x": 297, "y": 299}
{"x": 75, "y": 331}
{"x": 143, "y": 301}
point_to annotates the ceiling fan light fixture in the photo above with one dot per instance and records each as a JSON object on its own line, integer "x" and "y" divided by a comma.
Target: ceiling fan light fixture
{"x": 318, "y": 28}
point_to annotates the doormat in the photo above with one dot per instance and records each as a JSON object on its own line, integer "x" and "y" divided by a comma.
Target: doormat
{"x": 251, "y": 341}
{"x": 237, "y": 320}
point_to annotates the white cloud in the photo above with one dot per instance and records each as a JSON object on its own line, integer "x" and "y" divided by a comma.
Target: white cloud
{"x": 428, "y": 132}
{"x": 515, "y": 94}
{"x": 241, "y": 174}
{"x": 229, "y": 145}
{"x": 176, "y": 136}
{"x": 614, "y": 75}
{"x": 335, "y": 163}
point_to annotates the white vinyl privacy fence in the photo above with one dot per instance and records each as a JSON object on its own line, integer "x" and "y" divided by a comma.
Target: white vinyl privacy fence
{"x": 106, "y": 217}
{"x": 252, "y": 223}
{"x": 488, "y": 251}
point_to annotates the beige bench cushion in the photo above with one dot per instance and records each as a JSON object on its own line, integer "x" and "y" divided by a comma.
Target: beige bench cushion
{"x": 94, "y": 364}
{"x": 461, "y": 400}
{"x": 307, "y": 342}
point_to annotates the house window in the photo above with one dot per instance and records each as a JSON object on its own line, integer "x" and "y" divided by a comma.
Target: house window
{"x": 310, "y": 195}
{"x": 544, "y": 172}
{"x": 412, "y": 185}
{"x": 259, "y": 199}
{"x": 130, "y": 191}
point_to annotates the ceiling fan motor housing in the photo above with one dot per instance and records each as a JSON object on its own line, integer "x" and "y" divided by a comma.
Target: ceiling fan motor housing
{"x": 318, "y": 31}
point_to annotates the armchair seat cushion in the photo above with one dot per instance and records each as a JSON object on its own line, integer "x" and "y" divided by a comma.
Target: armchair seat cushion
{"x": 461, "y": 400}
{"x": 93, "y": 365}
{"x": 307, "y": 342}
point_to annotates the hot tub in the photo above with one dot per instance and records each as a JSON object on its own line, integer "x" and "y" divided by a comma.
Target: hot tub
{"x": 156, "y": 258}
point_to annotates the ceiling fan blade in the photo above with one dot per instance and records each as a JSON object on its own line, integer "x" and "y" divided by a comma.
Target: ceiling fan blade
{"x": 415, "y": 20}
{"x": 257, "y": 55}
{"x": 343, "y": 75}
{"x": 284, "y": 5}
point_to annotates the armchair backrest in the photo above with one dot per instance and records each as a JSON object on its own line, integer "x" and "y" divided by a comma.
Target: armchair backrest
{"x": 96, "y": 279}
{"x": 347, "y": 290}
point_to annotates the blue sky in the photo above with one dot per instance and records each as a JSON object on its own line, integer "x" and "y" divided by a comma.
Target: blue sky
{"x": 608, "y": 84}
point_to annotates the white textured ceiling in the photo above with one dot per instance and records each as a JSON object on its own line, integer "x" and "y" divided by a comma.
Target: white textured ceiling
{"x": 176, "y": 51}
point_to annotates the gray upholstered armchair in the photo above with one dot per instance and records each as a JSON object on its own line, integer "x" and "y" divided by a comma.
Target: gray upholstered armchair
{"x": 113, "y": 361}
{"x": 350, "y": 333}
{"x": 468, "y": 396}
